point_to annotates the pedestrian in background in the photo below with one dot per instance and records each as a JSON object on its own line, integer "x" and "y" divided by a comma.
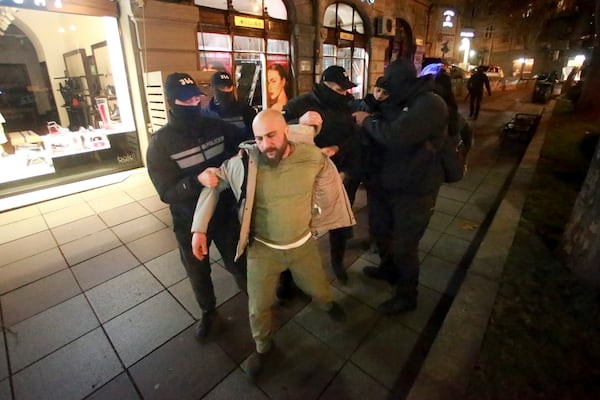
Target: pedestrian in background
{"x": 475, "y": 85}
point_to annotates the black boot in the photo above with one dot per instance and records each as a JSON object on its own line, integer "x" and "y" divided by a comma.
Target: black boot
{"x": 337, "y": 244}
{"x": 380, "y": 273}
{"x": 404, "y": 300}
{"x": 203, "y": 327}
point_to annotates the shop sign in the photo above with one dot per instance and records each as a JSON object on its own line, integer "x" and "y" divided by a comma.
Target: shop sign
{"x": 32, "y": 4}
{"x": 247, "y": 22}
{"x": 346, "y": 36}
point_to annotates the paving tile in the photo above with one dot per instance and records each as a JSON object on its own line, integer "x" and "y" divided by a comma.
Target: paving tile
{"x": 18, "y": 214}
{"x": 463, "y": 228}
{"x": 25, "y": 247}
{"x": 120, "y": 388}
{"x": 78, "y": 229}
{"x": 109, "y": 201}
{"x": 153, "y": 245}
{"x": 418, "y": 319}
{"x": 60, "y": 203}
{"x": 235, "y": 386}
{"x": 353, "y": 384}
{"x": 473, "y": 213}
{"x": 3, "y": 360}
{"x": 439, "y": 221}
{"x": 232, "y": 332}
{"x": 384, "y": 353}
{"x": 5, "y": 390}
{"x": 436, "y": 273}
{"x": 72, "y": 372}
{"x": 122, "y": 293}
{"x": 223, "y": 283}
{"x": 103, "y": 191}
{"x": 147, "y": 326}
{"x": 121, "y": 214}
{"x": 454, "y": 193}
{"x": 60, "y": 325}
{"x": 137, "y": 228}
{"x": 450, "y": 248}
{"x": 173, "y": 370}
{"x": 89, "y": 246}
{"x": 428, "y": 240}
{"x": 66, "y": 215}
{"x": 482, "y": 200}
{"x": 29, "y": 300}
{"x": 370, "y": 291}
{"x": 153, "y": 203}
{"x": 300, "y": 366}
{"x": 342, "y": 337}
{"x": 30, "y": 269}
{"x": 138, "y": 177}
{"x": 104, "y": 267}
{"x": 167, "y": 268}
{"x": 19, "y": 229}
{"x": 141, "y": 191}
{"x": 165, "y": 216}
{"x": 448, "y": 206}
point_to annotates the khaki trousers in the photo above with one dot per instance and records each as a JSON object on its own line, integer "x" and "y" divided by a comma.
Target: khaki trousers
{"x": 264, "y": 266}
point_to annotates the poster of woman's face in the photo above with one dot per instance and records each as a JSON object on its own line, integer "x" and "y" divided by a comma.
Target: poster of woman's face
{"x": 276, "y": 86}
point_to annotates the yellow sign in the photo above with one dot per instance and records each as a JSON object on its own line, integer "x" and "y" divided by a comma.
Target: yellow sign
{"x": 346, "y": 36}
{"x": 249, "y": 22}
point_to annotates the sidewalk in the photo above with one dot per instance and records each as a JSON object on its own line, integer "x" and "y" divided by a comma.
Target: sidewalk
{"x": 95, "y": 303}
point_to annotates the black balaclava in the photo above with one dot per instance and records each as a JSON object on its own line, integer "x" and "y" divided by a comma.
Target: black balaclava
{"x": 332, "y": 98}
{"x": 400, "y": 79}
{"x": 224, "y": 100}
{"x": 186, "y": 113}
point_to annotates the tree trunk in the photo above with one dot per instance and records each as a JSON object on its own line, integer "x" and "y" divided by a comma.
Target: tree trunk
{"x": 581, "y": 240}
{"x": 589, "y": 100}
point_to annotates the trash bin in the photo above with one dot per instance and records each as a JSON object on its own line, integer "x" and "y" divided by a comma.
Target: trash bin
{"x": 542, "y": 91}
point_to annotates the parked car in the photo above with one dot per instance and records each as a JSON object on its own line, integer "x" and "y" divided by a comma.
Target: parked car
{"x": 493, "y": 71}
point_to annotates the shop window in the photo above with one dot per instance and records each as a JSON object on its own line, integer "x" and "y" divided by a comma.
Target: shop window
{"x": 345, "y": 43}
{"x": 249, "y": 51}
{"x": 64, "y": 100}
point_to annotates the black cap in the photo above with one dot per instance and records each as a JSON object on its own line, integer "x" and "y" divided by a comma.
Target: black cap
{"x": 380, "y": 83}
{"x": 338, "y": 75}
{"x": 181, "y": 86}
{"x": 221, "y": 79}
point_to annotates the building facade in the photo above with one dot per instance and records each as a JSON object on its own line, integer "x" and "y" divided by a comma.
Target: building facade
{"x": 81, "y": 82}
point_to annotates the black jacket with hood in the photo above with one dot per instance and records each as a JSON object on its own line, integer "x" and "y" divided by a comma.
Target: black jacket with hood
{"x": 410, "y": 129}
{"x": 338, "y": 127}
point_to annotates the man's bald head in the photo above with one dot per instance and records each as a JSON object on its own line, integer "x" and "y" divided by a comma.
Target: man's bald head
{"x": 270, "y": 131}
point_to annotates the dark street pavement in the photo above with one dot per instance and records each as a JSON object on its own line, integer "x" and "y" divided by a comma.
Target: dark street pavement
{"x": 95, "y": 303}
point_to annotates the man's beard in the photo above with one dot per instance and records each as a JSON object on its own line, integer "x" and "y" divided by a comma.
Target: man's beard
{"x": 275, "y": 158}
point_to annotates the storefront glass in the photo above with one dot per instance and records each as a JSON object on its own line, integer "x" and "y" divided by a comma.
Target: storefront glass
{"x": 255, "y": 55}
{"x": 65, "y": 108}
{"x": 345, "y": 43}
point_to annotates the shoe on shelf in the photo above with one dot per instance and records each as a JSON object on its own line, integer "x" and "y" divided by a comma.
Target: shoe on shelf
{"x": 398, "y": 304}
{"x": 256, "y": 362}
{"x": 380, "y": 274}
{"x": 336, "y": 312}
{"x": 204, "y": 325}
{"x": 339, "y": 272}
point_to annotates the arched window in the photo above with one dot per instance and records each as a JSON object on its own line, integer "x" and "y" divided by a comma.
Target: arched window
{"x": 250, "y": 40}
{"x": 345, "y": 43}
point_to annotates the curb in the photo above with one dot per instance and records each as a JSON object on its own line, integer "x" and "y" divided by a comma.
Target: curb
{"x": 453, "y": 355}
